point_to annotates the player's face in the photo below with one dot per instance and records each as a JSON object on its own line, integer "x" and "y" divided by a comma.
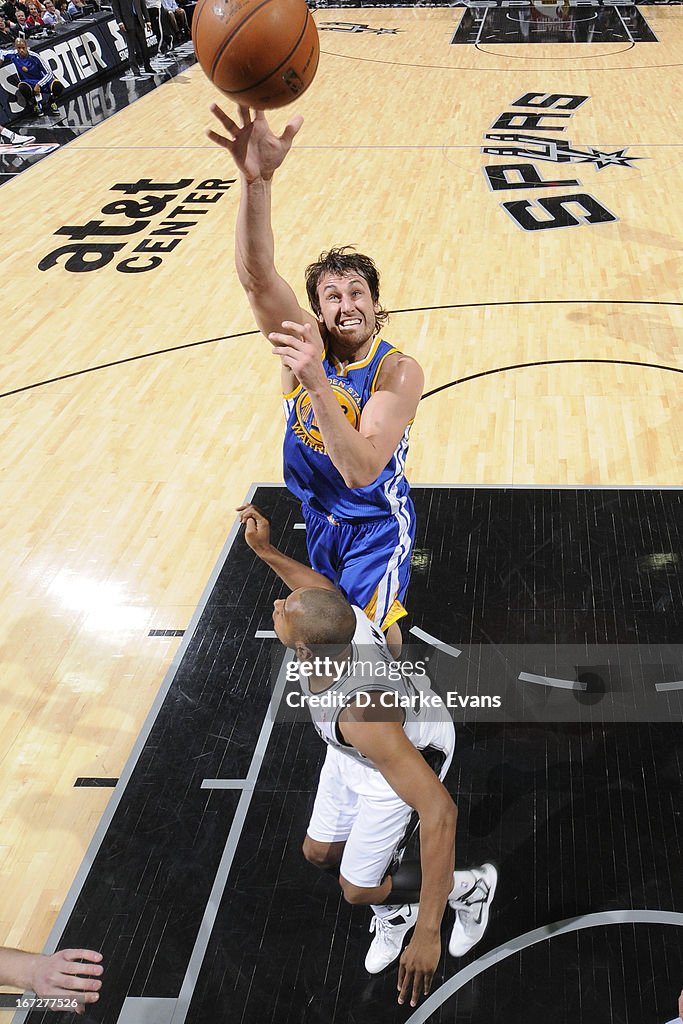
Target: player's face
{"x": 282, "y": 623}
{"x": 22, "y": 48}
{"x": 346, "y": 308}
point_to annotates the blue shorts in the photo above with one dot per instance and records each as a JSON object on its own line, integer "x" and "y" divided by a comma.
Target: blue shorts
{"x": 368, "y": 560}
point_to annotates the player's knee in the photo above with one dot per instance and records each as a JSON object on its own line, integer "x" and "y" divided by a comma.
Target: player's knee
{"x": 324, "y": 856}
{"x": 355, "y": 894}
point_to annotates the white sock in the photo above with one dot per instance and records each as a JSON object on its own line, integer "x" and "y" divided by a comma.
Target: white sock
{"x": 383, "y": 911}
{"x": 463, "y": 881}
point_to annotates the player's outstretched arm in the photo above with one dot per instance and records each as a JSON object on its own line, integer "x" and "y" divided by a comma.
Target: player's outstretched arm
{"x": 292, "y": 573}
{"x": 409, "y": 775}
{"x": 257, "y": 153}
{"x": 57, "y": 975}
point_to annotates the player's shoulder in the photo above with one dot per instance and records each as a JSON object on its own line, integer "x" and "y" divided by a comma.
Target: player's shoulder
{"x": 399, "y": 370}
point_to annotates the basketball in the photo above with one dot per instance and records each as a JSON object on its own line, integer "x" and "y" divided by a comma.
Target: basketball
{"x": 260, "y": 53}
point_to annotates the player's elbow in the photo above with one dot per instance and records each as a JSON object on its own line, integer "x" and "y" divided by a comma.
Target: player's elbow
{"x": 442, "y": 814}
{"x": 360, "y": 476}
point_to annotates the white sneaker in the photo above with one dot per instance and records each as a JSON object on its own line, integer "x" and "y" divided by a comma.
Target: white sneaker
{"x": 15, "y": 139}
{"x": 472, "y": 911}
{"x": 389, "y": 935}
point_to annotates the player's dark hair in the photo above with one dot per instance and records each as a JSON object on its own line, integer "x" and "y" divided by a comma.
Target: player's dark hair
{"x": 330, "y": 620}
{"x": 343, "y": 260}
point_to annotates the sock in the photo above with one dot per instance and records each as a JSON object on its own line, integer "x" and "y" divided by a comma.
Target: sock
{"x": 383, "y": 911}
{"x": 463, "y": 883}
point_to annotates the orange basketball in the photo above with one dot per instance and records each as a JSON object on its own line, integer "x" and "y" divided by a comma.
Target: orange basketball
{"x": 260, "y": 53}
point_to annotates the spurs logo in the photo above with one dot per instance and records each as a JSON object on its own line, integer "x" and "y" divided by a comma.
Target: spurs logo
{"x": 351, "y": 26}
{"x": 557, "y": 151}
{"x": 513, "y": 135}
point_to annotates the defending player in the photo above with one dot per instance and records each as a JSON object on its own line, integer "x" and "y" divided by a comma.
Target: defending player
{"x": 381, "y": 776}
{"x": 350, "y": 397}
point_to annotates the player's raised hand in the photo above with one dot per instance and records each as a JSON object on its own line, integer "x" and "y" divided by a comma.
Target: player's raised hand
{"x": 257, "y": 527}
{"x": 256, "y": 150}
{"x": 300, "y": 347}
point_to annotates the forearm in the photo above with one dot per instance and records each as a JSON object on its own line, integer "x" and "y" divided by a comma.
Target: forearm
{"x": 17, "y": 968}
{"x": 353, "y": 455}
{"x": 437, "y": 861}
{"x": 254, "y": 241}
{"x": 292, "y": 573}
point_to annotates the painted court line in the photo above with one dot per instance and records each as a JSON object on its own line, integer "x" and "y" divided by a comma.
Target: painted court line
{"x": 547, "y": 931}
{"x": 421, "y": 634}
{"x": 564, "y": 684}
{"x": 221, "y": 880}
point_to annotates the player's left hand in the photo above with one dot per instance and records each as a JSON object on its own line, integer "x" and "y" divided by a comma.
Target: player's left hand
{"x": 416, "y": 968}
{"x": 257, "y": 527}
{"x": 300, "y": 347}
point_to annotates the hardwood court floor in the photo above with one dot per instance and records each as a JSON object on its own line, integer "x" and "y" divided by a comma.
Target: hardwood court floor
{"x": 138, "y": 408}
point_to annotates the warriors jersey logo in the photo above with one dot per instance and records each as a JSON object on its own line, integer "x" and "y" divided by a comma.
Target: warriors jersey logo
{"x": 305, "y": 426}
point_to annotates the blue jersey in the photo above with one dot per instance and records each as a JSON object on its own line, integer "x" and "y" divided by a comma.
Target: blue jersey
{"x": 31, "y": 69}
{"x": 308, "y": 471}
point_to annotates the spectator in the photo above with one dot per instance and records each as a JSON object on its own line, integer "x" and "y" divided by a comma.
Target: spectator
{"x": 6, "y": 36}
{"x": 133, "y": 19}
{"x": 10, "y": 9}
{"x": 22, "y": 26}
{"x": 188, "y": 6}
{"x": 177, "y": 20}
{"x": 75, "y": 8}
{"x": 58, "y": 976}
{"x": 62, "y": 6}
{"x": 158, "y": 25}
{"x": 14, "y": 139}
{"x": 52, "y": 18}
{"x": 37, "y": 84}
{"x": 34, "y": 16}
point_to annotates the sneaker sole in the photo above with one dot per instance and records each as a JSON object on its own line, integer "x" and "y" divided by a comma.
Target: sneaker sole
{"x": 486, "y": 908}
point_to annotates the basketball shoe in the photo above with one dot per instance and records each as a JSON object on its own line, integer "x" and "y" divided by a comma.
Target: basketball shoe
{"x": 15, "y": 139}
{"x": 389, "y": 935}
{"x": 472, "y": 911}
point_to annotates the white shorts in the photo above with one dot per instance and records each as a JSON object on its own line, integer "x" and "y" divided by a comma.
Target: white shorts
{"x": 356, "y": 805}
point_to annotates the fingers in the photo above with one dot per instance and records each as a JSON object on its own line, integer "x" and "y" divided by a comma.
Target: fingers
{"x": 296, "y": 333}
{"x": 77, "y": 984}
{"x": 220, "y": 140}
{"x": 292, "y": 128}
{"x": 413, "y": 983}
{"x": 224, "y": 118}
{"x": 245, "y": 115}
{"x": 82, "y": 954}
{"x": 289, "y": 356}
{"x": 89, "y": 970}
{"x": 404, "y": 988}
{"x": 252, "y": 517}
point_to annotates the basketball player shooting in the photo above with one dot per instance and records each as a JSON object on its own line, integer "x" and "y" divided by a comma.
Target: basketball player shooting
{"x": 349, "y": 396}
{"x": 382, "y": 775}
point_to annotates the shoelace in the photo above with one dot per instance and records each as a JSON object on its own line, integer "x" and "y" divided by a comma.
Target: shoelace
{"x": 380, "y": 927}
{"x": 466, "y": 907}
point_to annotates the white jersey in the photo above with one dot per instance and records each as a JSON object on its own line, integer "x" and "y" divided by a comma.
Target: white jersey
{"x": 370, "y": 668}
